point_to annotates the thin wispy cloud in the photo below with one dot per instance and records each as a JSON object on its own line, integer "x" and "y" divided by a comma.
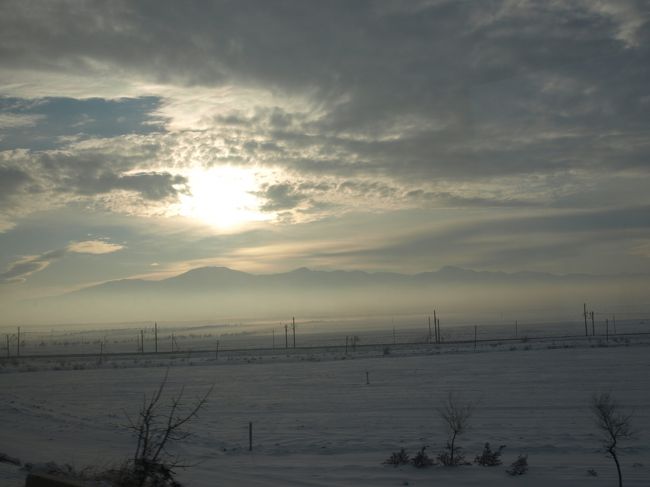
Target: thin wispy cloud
{"x": 21, "y": 269}
{"x": 94, "y": 247}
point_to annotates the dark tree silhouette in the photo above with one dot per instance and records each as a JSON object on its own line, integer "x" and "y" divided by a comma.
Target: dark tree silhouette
{"x": 613, "y": 424}
{"x": 156, "y": 428}
{"x": 455, "y": 414}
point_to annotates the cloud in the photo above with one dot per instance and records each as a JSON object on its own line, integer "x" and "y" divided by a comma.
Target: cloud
{"x": 12, "y": 179}
{"x": 281, "y": 197}
{"x": 119, "y": 174}
{"x": 21, "y": 269}
{"x": 154, "y": 186}
{"x": 15, "y": 120}
{"x": 24, "y": 267}
{"x": 375, "y": 107}
{"x": 94, "y": 247}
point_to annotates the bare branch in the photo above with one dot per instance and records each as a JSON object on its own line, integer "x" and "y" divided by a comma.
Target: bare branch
{"x": 155, "y": 431}
{"x": 613, "y": 424}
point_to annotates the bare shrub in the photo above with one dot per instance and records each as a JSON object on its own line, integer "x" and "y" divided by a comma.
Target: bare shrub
{"x": 422, "y": 460}
{"x": 398, "y": 458}
{"x": 156, "y": 428}
{"x": 455, "y": 414}
{"x": 489, "y": 458}
{"x": 613, "y": 424}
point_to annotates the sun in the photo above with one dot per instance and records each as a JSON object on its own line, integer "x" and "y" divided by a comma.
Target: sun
{"x": 223, "y": 197}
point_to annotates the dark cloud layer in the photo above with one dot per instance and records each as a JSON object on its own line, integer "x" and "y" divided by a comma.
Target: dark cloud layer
{"x": 444, "y": 89}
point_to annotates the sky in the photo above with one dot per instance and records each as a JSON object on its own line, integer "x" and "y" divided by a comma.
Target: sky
{"x": 144, "y": 139}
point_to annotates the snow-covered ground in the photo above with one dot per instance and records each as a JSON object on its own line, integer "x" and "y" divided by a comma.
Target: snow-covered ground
{"x": 317, "y": 422}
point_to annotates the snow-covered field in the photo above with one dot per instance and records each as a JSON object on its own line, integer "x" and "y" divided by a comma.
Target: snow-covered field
{"x": 317, "y": 422}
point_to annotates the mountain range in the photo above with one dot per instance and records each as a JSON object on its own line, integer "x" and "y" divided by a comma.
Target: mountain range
{"x": 220, "y": 293}
{"x": 210, "y": 279}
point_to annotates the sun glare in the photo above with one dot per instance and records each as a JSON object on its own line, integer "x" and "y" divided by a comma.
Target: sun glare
{"x": 222, "y": 197}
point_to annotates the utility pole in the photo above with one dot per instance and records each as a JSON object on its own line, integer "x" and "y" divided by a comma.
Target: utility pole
{"x": 593, "y": 326}
{"x": 435, "y": 324}
{"x": 516, "y": 331}
{"x": 293, "y": 325}
{"x": 286, "y": 336}
{"x": 141, "y": 341}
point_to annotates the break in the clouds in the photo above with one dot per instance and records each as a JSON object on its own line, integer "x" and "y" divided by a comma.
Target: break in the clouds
{"x": 487, "y": 134}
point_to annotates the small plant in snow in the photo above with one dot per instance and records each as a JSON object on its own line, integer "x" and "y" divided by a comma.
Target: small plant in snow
{"x": 422, "y": 460}
{"x": 489, "y": 458}
{"x": 519, "y": 466}
{"x": 455, "y": 414}
{"x": 398, "y": 458}
{"x": 452, "y": 456}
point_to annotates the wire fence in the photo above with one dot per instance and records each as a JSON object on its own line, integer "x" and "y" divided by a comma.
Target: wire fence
{"x": 178, "y": 338}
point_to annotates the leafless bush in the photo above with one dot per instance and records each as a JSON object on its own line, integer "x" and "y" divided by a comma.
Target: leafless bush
{"x": 156, "y": 428}
{"x": 422, "y": 460}
{"x": 398, "y": 458}
{"x": 613, "y": 424}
